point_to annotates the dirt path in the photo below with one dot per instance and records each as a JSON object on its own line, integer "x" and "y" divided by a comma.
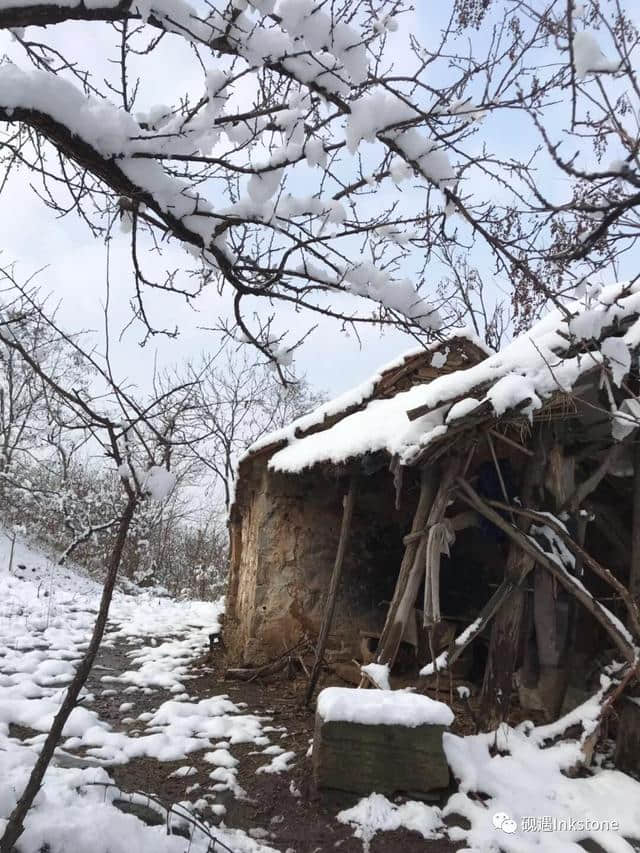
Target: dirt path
{"x": 280, "y": 809}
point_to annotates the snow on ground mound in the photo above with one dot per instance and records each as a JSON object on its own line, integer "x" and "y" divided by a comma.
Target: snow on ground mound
{"x": 46, "y": 616}
{"x": 376, "y": 814}
{"x": 527, "y": 802}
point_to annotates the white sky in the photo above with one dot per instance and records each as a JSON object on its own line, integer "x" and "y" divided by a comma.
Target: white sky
{"x": 73, "y": 263}
{"x": 75, "y": 273}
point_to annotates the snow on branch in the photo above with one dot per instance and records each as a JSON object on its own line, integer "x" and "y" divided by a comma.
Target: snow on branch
{"x": 306, "y": 165}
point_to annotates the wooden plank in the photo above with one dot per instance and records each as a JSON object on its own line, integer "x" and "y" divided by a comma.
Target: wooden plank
{"x": 427, "y": 488}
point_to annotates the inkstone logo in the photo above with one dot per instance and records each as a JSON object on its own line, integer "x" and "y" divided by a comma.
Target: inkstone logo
{"x": 504, "y": 822}
{"x": 550, "y": 823}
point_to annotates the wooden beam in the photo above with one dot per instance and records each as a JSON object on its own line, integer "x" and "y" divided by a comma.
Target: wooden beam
{"x": 529, "y": 546}
{"x": 459, "y": 522}
{"x": 516, "y": 445}
{"x": 496, "y": 465}
{"x": 330, "y": 603}
{"x": 633, "y": 611}
{"x": 483, "y": 408}
{"x": 448, "y": 658}
{"x": 591, "y": 483}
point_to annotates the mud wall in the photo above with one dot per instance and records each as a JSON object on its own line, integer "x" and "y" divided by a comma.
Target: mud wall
{"x": 286, "y": 540}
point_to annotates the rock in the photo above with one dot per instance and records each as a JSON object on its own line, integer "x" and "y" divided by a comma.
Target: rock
{"x": 68, "y": 761}
{"x": 152, "y": 817}
{"x": 144, "y": 813}
{"x": 458, "y": 820}
{"x": 386, "y": 759}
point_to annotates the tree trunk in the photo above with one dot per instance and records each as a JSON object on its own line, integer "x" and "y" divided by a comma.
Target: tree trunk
{"x": 15, "y": 825}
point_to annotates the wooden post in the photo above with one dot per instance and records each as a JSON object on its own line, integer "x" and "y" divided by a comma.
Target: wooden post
{"x": 507, "y": 623}
{"x": 427, "y": 488}
{"x": 330, "y": 603}
{"x": 413, "y": 562}
{"x": 553, "y": 607}
{"x": 13, "y": 545}
{"x": 634, "y": 573}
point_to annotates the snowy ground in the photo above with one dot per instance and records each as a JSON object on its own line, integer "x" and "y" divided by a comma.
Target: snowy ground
{"x": 46, "y": 614}
{"x": 512, "y": 796}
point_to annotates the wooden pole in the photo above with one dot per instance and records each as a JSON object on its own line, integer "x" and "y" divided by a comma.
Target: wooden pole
{"x": 633, "y": 613}
{"x": 330, "y": 603}
{"x": 634, "y": 573}
{"x": 427, "y": 488}
{"x": 412, "y": 573}
{"x": 460, "y": 643}
{"x": 507, "y": 624}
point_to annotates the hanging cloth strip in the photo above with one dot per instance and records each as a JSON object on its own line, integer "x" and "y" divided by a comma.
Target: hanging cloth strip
{"x": 441, "y": 537}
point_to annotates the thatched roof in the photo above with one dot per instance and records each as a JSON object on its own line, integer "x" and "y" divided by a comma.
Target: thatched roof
{"x": 423, "y": 401}
{"x": 417, "y": 367}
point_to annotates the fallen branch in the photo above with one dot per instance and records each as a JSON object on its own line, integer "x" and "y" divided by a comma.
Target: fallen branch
{"x": 250, "y": 673}
{"x": 612, "y": 694}
{"x": 605, "y": 698}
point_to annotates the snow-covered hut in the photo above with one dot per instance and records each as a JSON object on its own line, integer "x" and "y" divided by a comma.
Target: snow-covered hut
{"x": 483, "y": 488}
{"x": 285, "y": 521}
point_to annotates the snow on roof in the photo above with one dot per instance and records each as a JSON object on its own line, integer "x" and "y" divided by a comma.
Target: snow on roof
{"x": 525, "y": 374}
{"x": 356, "y": 397}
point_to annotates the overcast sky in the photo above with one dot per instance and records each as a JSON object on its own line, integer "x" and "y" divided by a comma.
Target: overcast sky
{"x": 74, "y": 265}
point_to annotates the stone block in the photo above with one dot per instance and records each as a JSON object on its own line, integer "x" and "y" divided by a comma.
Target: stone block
{"x": 387, "y": 759}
